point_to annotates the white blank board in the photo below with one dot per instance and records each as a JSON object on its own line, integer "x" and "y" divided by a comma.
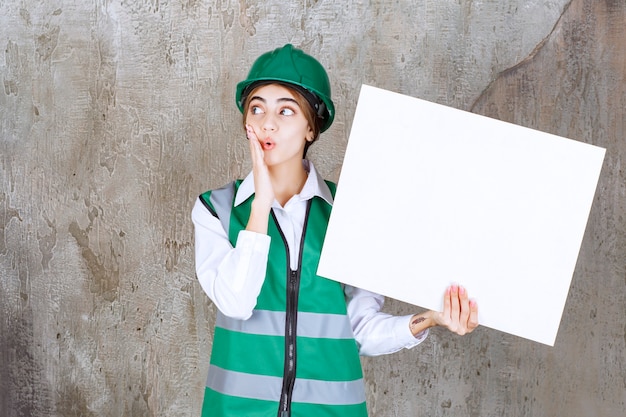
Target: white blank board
{"x": 430, "y": 195}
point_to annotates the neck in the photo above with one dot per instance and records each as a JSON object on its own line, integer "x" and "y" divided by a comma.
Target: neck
{"x": 287, "y": 181}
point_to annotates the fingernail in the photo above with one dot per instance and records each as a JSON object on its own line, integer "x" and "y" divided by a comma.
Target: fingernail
{"x": 462, "y": 290}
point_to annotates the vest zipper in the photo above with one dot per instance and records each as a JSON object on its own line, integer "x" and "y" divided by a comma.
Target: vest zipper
{"x": 291, "y": 320}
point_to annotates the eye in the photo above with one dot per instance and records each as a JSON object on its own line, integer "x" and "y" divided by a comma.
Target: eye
{"x": 286, "y": 111}
{"x": 255, "y": 110}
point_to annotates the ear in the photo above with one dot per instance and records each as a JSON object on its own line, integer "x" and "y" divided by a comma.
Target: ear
{"x": 309, "y": 135}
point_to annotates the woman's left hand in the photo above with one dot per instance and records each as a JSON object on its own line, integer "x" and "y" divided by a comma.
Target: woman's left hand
{"x": 459, "y": 315}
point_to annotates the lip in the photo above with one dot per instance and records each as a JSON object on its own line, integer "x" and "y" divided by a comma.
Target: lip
{"x": 267, "y": 144}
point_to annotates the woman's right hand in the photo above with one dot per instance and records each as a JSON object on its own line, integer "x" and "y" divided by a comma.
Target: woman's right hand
{"x": 263, "y": 190}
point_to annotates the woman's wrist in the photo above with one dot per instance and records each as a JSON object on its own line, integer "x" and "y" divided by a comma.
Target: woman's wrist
{"x": 421, "y": 322}
{"x": 259, "y": 218}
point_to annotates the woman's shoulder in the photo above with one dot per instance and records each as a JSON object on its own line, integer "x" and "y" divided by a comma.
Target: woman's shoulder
{"x": 332, "y": 187}
{"x": 224, "y": 193}
{"x": 228, "y": 186}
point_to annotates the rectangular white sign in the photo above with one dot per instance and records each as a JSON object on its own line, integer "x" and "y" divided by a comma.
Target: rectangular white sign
{"x": 430, "y": 195}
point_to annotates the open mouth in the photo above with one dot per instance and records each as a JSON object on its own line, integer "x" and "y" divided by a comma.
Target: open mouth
{"x": 267, "y": 144}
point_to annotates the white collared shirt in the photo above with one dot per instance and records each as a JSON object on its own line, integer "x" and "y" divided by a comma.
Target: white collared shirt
{"x": 232, "y": 277}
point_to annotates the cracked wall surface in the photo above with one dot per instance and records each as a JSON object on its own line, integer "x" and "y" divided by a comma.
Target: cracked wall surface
{"x": 115, "y": 115}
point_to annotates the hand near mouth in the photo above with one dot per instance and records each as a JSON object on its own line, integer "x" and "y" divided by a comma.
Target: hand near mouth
{"x": 264, "y": 192}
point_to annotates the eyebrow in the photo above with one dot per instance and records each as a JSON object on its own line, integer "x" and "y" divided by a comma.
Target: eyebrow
{"x": 288, "y": 99}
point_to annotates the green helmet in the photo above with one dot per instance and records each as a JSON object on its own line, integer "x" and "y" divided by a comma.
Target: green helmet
{"x": 294, "y": 67}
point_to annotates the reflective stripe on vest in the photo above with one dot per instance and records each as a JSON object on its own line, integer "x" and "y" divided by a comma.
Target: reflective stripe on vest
{"x": 261, "y": 387}
{"x": 272, "y": 323}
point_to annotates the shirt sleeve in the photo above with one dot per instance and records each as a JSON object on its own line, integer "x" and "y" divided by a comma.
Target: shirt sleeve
{"x": 378, "y": 333}
{"x": 232, "y": 277}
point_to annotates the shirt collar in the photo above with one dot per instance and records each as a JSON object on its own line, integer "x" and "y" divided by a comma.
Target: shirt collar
{"x": 315, "y": 186}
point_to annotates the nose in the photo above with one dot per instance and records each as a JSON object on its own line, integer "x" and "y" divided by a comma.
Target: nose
{"x": 268, "y": 123}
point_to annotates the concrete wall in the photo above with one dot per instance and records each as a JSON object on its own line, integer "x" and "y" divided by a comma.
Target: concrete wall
{"x": 116, "y": 114}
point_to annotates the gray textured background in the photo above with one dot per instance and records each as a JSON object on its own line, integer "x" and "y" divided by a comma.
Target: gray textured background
{"x": 116, "y": 114}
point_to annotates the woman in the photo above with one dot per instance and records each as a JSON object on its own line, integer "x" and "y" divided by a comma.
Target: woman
{"x": 287, "y": 342}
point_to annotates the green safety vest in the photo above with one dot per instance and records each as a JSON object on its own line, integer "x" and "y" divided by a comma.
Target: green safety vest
{"x": 296, "y": 356}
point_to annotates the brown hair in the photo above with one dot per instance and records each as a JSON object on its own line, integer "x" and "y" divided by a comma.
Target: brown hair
{"x": 308, "y": 111}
